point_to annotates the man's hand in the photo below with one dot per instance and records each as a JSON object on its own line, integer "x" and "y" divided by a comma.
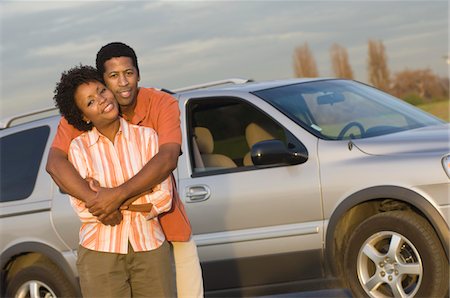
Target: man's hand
{"x": 112, "y": 219}
{"x": 94, "y": 185}
{"x": 105, "y": 202}
{"x": 127, "y": 205}
{"x": 138, "y": 208}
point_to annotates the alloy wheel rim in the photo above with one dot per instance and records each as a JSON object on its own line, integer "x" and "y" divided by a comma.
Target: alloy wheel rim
{"x": 35, "y": 289}
{"x": 389, "y": 265}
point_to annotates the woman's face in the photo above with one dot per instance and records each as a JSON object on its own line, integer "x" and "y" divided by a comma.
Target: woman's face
{"x": 97, "y": 103}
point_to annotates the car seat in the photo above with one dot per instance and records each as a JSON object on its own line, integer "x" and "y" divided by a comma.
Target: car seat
{"x": 205, "y": 144}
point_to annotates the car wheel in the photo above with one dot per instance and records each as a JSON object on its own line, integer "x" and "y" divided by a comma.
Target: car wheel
{"x": 396, "y": 254}
{"x": 41, "y": 279}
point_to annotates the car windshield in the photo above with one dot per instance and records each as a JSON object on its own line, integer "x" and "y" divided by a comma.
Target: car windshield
{"x": 344, "y": 109}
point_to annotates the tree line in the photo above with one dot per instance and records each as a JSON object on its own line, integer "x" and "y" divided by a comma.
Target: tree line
{"x": 416, "y": 86}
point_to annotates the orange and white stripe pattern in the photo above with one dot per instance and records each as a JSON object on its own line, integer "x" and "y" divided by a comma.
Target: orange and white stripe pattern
{"x": 95, "y": 156}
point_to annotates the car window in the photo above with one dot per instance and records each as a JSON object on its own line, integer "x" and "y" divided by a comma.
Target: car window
{"x": 21, "y": 155}
{"x": 339, "y": 109}
{"x": 223, "y": 130}
{"x": 332, "y": 118}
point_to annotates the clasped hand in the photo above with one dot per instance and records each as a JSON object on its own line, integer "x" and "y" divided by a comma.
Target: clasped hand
{"x": 105, "y": 206}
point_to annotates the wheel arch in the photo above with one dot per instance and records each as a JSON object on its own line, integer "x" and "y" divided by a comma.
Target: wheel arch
{"x": 21, "y": 249}
{"x": 369, "y": 198}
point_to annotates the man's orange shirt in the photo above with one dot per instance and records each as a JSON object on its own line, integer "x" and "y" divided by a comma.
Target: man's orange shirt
{"x": 158, "y": 110}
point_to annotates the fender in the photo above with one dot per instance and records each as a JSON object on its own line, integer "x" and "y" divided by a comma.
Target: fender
{"x": 37, "y": 247}
{"x": 391, "y": 192}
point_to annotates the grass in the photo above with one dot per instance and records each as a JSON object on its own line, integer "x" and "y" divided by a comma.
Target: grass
{"x": 439, "y": 109}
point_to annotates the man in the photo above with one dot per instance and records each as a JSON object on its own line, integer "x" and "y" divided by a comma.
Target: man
{"x": 117, "y": 63}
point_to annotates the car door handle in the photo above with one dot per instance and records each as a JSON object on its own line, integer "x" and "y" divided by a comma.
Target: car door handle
{"x": 197, "y": 193}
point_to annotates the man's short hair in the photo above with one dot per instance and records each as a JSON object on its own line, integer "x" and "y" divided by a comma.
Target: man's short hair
{"x": 64, "y": 94}
{"x": 114, "y": 50}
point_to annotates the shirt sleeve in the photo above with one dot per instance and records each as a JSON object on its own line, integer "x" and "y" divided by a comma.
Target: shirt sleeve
{"x": 168, "y": 120}
{"x": 161, "y": 198}
{"x": 64, "y": 135}
{"x": 76, "y": 157}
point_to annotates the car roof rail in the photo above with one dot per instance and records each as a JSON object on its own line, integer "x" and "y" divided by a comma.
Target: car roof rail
{"x": 213, "y": 84}
{"x": 5, "y": 123}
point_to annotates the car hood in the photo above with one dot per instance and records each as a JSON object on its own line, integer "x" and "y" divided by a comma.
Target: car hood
{"x": 430, "y": 139}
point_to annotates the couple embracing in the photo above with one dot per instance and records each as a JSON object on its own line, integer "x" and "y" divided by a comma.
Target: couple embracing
{"x": 114, "y": 152}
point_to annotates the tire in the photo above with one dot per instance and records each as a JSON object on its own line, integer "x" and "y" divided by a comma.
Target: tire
{"x": 41, "y": 279}
{"x": 396, "y": 254}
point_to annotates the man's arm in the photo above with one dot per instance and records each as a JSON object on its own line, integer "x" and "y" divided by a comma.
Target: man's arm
{"x": 69, "y": 180}
{"x": 154, "y": 172}
{"x": 66, "y": 176}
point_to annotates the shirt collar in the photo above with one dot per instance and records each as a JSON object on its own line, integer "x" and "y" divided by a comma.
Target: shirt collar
{"x": 94, "y": 135}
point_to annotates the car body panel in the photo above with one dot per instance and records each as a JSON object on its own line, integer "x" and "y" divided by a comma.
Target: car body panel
{"x": 432, "y": 140}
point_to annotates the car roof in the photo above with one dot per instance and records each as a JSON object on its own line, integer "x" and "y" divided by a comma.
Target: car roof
{"x": 29, "y": 116}
{"x": 251, "y": 86}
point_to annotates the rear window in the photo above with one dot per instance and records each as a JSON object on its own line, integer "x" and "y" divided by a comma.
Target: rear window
{"x": 21, "y": 155}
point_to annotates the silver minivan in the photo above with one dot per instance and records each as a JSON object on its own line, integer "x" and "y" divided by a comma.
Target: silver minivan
{"x": 289, "y": 185}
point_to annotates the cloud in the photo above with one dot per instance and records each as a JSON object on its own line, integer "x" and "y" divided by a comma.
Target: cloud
{"x": 14, "y": 9}
{"x": 71, "y": 49}
{"x": 188, "y": 42}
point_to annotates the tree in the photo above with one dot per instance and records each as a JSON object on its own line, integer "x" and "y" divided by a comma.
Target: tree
{"x": 339, "y": 62}
{"x": 421, "y": 85}
{"x": 304, "y": 63}
{"x": 377, "y": 65}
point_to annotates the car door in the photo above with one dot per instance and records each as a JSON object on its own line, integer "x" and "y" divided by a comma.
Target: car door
{"x": 252, "y": 225}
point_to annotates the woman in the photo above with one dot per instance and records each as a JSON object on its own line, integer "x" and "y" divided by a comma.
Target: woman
{"x": 131, "y": 259}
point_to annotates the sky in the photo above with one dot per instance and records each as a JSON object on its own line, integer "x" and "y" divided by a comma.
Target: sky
{"x": 181, "y": 43}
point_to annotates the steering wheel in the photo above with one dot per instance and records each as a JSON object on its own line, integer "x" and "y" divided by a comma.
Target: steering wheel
{"x": 347, "y": 128}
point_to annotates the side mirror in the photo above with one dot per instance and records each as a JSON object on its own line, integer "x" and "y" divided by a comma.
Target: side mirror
{"x": 274, "y": 152}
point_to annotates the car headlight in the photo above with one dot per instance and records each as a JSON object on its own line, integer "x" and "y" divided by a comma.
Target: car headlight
{"x": 446, "y": 164}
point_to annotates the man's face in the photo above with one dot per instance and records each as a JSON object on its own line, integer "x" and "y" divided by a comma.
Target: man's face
{"x": 96, "y": 103}
{"x": 122, "y": 79}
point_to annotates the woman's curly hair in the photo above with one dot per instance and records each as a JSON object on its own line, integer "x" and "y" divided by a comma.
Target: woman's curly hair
{"x": 65, "y": 94}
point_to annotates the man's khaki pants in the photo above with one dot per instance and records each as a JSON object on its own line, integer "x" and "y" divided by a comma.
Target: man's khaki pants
{"x": 188, "y": 271}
